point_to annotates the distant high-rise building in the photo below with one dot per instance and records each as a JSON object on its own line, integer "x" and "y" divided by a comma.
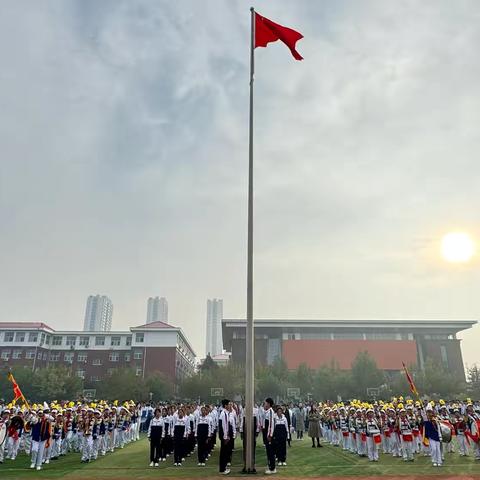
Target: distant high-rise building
{"x": 214, "y": 326}
{"x": 157, "y": 310}
{"x": 98, "y": 314}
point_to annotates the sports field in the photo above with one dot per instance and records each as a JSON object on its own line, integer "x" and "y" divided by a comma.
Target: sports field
{"x": 303, "y": 461}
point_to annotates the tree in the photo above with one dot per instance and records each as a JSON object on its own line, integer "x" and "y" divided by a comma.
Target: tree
{"x": 55, "y": 383}
{"x": 123, "y": 385}
{"x": 160, "y": 386}
{"x": 473, "y": 378}
{"x": 303, "y": 378}
{"x": 365, "y": 374}
{"x": 208, "y": 364}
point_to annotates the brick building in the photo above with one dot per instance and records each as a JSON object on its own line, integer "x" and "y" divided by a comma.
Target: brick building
{"x": 319, "y": 342}
{"x": 92, "y": 356}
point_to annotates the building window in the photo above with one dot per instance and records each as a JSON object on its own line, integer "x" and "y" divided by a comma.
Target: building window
{"x": 8, "y": 337}
{"x": 5, "y": 355}
{"x": 30, "y": 354}
{"x": 114, "y": 357}
{"x": 54, "y": 357}
{"x": 82, "y": 357}
{"x": 139, "y": 337}
{"x": 128, "y": 342}
{"x": 20, "y": 337}
{"x": 99, "y": 341}
{"x": 71, "y": 341}
{"x": 138, "y": 372}
{"x": 81, "y": 373}
{"x": 39, "y": 356}
{"x": 376, "y": 336}
{"x": 94, "y": 378}
{"x": 42, "y": 339}
{"x": 443, "y": 353}
{"x": 56, "y": 340}
{"x": 137, "y": 355}
{"x": 17, "y": 354}
{"x": 115, "y": 341}
{"x": 96, "y": 361}
{"x": 47, "y": 339}
{"x": 32, "y": 336}
{"x": 68, "y": 357}
{"x": 127, "y": 357}
{"x": 84, "y": 341}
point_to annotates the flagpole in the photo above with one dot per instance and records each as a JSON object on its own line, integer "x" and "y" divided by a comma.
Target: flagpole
{"x": 249, "y": 337}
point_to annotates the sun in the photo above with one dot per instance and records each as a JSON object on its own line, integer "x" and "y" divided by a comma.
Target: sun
{"x": 457, "y": 247}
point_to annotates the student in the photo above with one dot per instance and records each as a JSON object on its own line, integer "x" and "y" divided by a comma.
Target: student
{"x": 181, "y": 431}
{"x": 268, "y": 436}
{"x": 280, "y": 436}
{"x": 225, "y": 439}
{"x": 203, "y": 432}
{"x": 432, "y": 431}
{"x": 156, "y": 433}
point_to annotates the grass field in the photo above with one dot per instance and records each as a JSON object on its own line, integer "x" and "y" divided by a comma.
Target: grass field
{"x": 303, "y": 461}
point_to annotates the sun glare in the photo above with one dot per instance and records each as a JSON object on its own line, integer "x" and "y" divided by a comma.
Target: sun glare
{"x": 457, "y": 247}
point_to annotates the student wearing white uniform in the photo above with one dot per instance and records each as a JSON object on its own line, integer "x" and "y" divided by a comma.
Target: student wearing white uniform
{"x": 280, "y": 436}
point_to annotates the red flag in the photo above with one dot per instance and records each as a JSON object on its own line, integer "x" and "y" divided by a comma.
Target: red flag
{"x": 267, "y": 31}
{"x": 410, "y": 381}
{"x": 17, "y": 393}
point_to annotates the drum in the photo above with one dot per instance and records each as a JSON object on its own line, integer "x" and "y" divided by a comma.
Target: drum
{"x": 377, "y": 438}
{"x": 3, "y": 434}
{"x": 446, "y": 432}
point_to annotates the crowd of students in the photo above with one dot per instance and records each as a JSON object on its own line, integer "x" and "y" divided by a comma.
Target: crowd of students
{"x": 399, "y": 428}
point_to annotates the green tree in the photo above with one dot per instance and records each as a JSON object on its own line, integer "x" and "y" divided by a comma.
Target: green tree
{"x": 365, "y": 374}
{"x": 123, "y": 385}
{"x": 160, "y": 386}
{"x": 55, "y": 383}
{"x": 208, "y": 364}
{"x": 473, "y": 378}
{"x": 303, "y": 378}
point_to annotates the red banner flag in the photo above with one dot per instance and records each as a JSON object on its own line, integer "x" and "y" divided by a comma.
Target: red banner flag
{"x": 267, "y": 31}
{"x": 413, "y": 389}
{"x": 17, "y": 393}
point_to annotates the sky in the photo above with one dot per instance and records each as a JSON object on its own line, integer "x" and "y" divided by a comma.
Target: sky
{"x": 124, "y": 150}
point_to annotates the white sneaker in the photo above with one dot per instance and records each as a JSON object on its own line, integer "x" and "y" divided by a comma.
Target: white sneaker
{"x": 270, "y": 472}
{"x": 39, "y": 468}
{"x": 199, "y": 464}
{"x": 226, "y": 472}
{"x": 32, "y": 465}
{"x": 47, "y": 461}
{"x": 156, "y": 464}
{"x": 151, "y": 464}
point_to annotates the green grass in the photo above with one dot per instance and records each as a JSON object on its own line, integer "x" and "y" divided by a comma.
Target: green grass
{"x": 303, "y": 461}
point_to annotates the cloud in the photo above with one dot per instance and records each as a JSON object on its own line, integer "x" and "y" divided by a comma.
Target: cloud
{"x": 124, "y": 146}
